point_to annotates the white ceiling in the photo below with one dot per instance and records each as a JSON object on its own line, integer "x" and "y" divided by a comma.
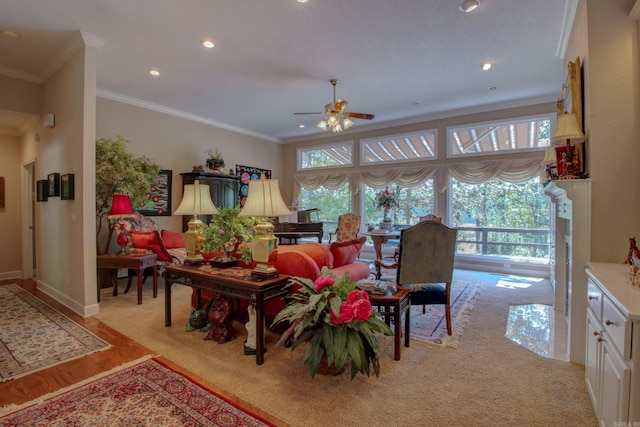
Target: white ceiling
{"x": 397, "y": 59}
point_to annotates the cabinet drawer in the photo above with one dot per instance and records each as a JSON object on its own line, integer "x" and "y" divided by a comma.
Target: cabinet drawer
{"x": 617, "y": 326}
{"x": 594, "y": 298}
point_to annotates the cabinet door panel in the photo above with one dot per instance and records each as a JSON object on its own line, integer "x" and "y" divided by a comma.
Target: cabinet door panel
{"x": 591, "y": 360}
{"x": 616, "y": 378}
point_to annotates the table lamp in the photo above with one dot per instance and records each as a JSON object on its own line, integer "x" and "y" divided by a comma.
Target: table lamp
{"x": 264, "y": 201}
{"x": 567, "y": 129}
{"x": 196, "y": 200}
{"x": 121, "y": 208}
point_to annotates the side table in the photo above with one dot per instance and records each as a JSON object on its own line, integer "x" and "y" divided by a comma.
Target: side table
{"x": 130, "y": 262}
{"x": 392, "y": 307}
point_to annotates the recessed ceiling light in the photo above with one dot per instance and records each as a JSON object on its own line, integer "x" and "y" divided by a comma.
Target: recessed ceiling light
{"x": 154, "y": 72}
{"x": 301, "y": 126}
{"x": 9, "y": 33}
{"x": 469, "y": 5}
{"x": 207, "y": 43}
{"x": 486, "y": 66}
{"x": 302, "y": 1}
{"x": 492, "y": 88}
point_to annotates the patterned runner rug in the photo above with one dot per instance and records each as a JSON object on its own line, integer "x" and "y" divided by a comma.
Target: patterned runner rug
{"x": 145, "y": 393}
{"x": 34, "y": 336}
{"x": 431, "y": 327}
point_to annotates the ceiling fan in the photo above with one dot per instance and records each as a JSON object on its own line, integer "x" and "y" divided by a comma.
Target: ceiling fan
{"x": 336, "y": 118}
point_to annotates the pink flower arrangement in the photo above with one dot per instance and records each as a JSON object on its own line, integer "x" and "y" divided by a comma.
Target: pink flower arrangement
{"x": 328, "y": 313}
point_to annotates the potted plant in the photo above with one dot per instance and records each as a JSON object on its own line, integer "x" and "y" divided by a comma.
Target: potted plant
{"x": 215, "y": 161}
{"x": 118, "y": 171}
{"x": 226, "y": 233}
{"x": 386, "y": 200}
{"x": 336, "y": 322}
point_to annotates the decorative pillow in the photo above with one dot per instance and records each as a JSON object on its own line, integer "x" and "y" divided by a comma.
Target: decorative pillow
{"x": 172, "y": 239}
{"x": 151, "y": 240}
{"x": 347, "y": 251}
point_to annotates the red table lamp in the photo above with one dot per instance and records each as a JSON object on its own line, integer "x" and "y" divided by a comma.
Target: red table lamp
{"x": 121, "y": 208}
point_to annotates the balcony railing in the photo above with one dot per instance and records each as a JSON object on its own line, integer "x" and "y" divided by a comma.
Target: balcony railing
{"x": 523, "y": 242}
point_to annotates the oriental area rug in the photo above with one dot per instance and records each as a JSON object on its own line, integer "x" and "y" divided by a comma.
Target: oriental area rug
{"x": 431, "y": 326}
{"x": 35, "y": 336}
{"x": 144, "y": 393}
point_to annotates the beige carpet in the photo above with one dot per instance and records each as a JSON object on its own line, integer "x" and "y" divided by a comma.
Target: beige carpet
{"x": 486, "y": 381}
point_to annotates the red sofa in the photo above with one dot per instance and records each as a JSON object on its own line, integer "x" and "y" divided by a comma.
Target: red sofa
{"x": 307, "y": 260}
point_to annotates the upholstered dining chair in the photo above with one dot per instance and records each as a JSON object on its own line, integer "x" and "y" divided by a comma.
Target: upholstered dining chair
{"x": 425, "y": 264}
{"x": 380, "y": 264}
{"x": 348, "y": 227}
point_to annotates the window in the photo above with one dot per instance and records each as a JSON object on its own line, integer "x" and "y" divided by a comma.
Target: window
{"x": 523, "y": 134}
{"x": 399, "y": 148}
{"x": 413, "y": 202}
{"x": 501, "y": 218}
{"x": 339, "y": 155}
{"x": 330, "y": 204}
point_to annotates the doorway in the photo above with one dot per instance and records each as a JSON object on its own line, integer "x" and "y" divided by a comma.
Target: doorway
{"x": 29, "y": 261}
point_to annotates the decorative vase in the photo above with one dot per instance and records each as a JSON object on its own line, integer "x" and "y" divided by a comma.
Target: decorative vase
{"x": 325, "y": 369}
{"x": 387, "y": 226}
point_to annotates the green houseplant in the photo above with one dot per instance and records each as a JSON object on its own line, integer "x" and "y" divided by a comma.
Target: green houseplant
{"x": 119, "y": 172}
{"x": 336, "y": 322}
{"x": 226, "y": 232}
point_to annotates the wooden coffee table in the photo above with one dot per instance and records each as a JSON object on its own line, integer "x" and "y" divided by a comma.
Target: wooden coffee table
{"x": 392, "y": 307}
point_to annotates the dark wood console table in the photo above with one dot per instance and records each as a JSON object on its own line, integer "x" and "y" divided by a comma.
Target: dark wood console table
{"x": 233, "y": 282}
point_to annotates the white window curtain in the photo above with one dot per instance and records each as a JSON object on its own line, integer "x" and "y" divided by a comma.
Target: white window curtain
{"x": 509, "y": 170}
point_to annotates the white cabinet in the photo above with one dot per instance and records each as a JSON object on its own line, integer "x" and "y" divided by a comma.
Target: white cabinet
{"x": 612, "y": 352}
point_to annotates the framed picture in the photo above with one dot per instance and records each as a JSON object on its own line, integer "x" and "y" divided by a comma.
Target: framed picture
{"x": 54, "y": 184}
{"x": 67, "y": 187}
{"x": 1, "y": 192}
{"x": 157, "y": 201}
{"x": 42, "y": 190}
{"x": 246, "y": 174}
{"x": 570, "y": 162}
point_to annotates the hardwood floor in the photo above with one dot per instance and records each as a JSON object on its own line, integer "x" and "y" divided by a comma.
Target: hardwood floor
{"x": 124, "y": 350}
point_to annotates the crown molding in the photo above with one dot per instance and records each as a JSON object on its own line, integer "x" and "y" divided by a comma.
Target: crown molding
{"x": 635, "y": 11}
{"x": 570, "y": 9}
{"x": 161, "y": 109}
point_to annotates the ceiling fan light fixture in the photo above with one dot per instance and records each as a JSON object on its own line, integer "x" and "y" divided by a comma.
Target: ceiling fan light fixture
{"x": 347, "y": 123}
{"x": 469, "y": 5}
{"x": 333, "y": 121}
{"x": 322, "y": 124}
{"x": 337, "y": 128}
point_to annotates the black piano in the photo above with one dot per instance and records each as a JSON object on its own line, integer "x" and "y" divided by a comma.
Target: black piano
{"x": 289, "y": 232}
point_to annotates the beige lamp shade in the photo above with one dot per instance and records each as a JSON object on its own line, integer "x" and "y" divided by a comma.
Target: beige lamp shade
{"x": 264, "y": 199}
{"x": 567, "y": 130}
{"x": 196, "y": 200}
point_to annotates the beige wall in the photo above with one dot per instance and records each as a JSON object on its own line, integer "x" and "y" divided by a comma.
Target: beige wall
{"x": 178, "y": 144}
{"x": 10, "y": 259}
{"x": 20, "y": 96}
{"x": 612, "y": 108}
{"x": 65, "y": 250}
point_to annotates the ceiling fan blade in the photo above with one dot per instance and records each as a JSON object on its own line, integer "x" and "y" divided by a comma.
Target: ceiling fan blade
{"x": 308, "y": 113}
{"x": 360, "y": 116}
